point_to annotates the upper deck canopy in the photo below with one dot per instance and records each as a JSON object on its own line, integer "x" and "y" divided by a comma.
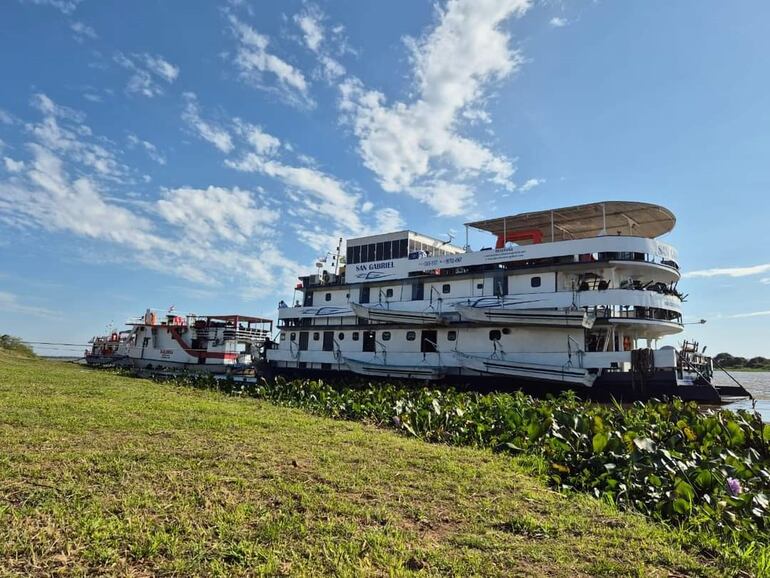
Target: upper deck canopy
{"x": 583, "y": 221}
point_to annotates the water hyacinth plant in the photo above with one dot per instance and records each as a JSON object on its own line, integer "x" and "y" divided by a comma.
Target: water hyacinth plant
{"x": 706, "y": 471}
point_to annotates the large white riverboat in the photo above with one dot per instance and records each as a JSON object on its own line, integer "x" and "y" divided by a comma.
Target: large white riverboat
{"x": 574, "y": 297}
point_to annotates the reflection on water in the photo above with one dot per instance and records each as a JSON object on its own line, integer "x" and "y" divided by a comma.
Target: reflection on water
{"x": 757, "y": 382}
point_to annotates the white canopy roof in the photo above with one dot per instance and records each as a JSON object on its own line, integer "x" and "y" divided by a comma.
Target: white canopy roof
{"x": 582, "y": 221}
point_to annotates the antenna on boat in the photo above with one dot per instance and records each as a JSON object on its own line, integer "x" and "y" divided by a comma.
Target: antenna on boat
{"x": 337, "y": 257}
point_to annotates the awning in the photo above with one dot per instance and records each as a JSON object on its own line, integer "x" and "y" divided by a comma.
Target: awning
{"x": 582, "y": 221}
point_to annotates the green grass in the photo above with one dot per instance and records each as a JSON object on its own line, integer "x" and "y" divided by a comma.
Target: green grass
{"x": 105, "y": 474}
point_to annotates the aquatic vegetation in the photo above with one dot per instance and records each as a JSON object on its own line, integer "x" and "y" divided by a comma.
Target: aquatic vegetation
{"x": 706, "y": 471}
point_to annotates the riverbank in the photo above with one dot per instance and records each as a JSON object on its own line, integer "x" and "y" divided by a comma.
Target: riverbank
{"x": 102, "y": 473}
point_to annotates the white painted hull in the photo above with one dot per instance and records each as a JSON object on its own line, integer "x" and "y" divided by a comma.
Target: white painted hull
{"x": 381, "y": 313}
{"x": 531, "y": 371}
{"x": 393, "y": 371}
{"x": 535, "y": 317}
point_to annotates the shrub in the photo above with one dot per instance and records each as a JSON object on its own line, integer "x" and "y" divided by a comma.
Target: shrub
{"x": 15, "y": 344}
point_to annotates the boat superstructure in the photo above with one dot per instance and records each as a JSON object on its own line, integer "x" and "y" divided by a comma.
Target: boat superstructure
{"x": 208, "y": 343}
{"x": 576, "y": 296}
{"x": 107, "y": 350}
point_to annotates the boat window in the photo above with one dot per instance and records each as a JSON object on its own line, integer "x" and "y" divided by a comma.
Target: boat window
{"x": 349, "y": 255}
{"x": 494, "y": 335}
{"x": 283, "y": 337}
{"x": 293, "y": 336}
{"x": 480, "y": 286}
{"x": 341, "y": 336}
{"x": 451, "y": 335}
{"x": 403, "y": 247}
{"x": 379, "y": 251}
{"x": 355, "y": 336}
{"x": 372, "y": 251}
{"x": 386, "y": 335}
{"x": 386, "y": 250}
{"x": 506, "y": 330}
{"x": 411, "y": 336}
{"x": 363, "y": 294}
{"x": 388, "y": 292}
{"x": 356, "y": 254}
{"x": 535, "y": 281}
{"x": 446, "y": 288}
{"x": 316, "y": 336}
{"x": 328, "y": 297}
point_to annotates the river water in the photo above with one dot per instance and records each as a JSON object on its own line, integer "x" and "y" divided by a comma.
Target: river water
{"x": 757, "y": 382}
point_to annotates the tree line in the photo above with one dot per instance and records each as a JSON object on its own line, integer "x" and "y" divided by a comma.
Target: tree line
{"x": 736, "y": 362}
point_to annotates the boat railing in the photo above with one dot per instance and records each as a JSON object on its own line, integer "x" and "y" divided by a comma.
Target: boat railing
{"x": 384, "y": 351}
{"x": 246, "y": 335}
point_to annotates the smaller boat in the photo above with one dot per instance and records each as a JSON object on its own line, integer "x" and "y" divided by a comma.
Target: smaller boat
{"x": 107, "y": 350}
{"x": 375, "y": 368}
{"x": 380, "y": 312}
{"x": 531, "y": 371}
{"x": 539, "y": 317}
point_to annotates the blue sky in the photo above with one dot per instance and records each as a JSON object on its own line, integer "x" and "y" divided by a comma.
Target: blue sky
{"x": 204, "y": 154}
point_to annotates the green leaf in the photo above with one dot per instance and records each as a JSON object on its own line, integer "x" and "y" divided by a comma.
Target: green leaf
{"x": 681, "y": 506}
{"x": 684, "y": 490}
{"x": 600, "y": 442}
{"x": 766, "y": 432}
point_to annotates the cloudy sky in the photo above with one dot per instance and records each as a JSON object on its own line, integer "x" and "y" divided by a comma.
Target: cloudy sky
{"x": 202, "y": 155}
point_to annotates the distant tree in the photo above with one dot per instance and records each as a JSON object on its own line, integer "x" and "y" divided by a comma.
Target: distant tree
{"x": 15, "y": 344}
{"x": 758, "y": 362}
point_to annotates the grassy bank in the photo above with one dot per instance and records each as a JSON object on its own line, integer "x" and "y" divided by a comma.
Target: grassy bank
{"x": 104, "y": 473}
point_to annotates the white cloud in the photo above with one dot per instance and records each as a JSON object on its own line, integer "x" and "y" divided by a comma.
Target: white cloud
{"x": 416, "y": 147}
{"x": 558, "y": 22}
{"x": 13, "y": 166}
{"x": 263, "y": 143}
{"x": 230, "y": 214}
{"x": 315, "y": 37}
{"x": 10, "y": 303}
{"x": 151, "y": 150}
{"x": 531, "y": 184}
{"x": 62, "y": 130}
{"x": 147, "y": 70}
{"x": 388, "y": 220}
{"x": 82, "y": 31}
{"x": 255, "y": 62}
{"x": 315, "y": 191}
{"x": 765, "y": 281}
{"x": 753, "y": 314}
{"x": 206, "y": 236}
{"x": 207, "y": 130}
{"x": 312, "y": 28}
{"x": 312, "y": 194}
{"x": 64, "y": 6}
{"x": 5, "y": 117}
{"x": 730, "y": 271}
